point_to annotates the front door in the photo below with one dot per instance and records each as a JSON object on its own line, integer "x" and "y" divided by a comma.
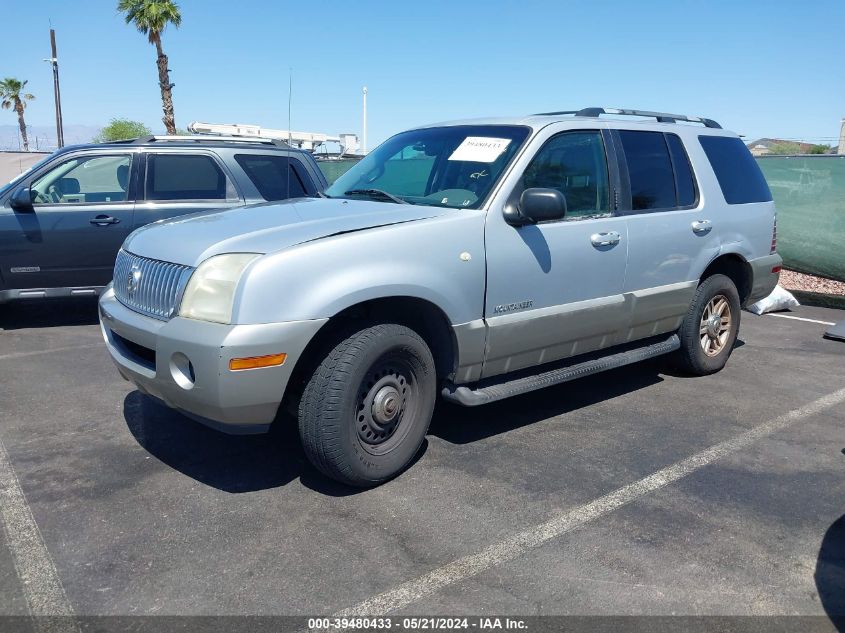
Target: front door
{"x": 82, "y": 212}
{"x": 554, "y": 289}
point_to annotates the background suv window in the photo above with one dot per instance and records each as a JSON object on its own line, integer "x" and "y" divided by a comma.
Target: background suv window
{"x": 186, "y": 177}
{"x": 84, "y": 180}
{"x": 649, "y": 169}
{"x": 275, "y": 177}
{"x": 574, "y": 163}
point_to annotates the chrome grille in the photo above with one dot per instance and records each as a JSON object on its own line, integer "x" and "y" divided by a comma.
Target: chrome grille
{"x": 149, "y": 286}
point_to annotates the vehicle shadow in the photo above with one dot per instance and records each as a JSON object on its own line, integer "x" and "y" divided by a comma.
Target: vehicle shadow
{"x": 48, "y": 313}
{"x": 231, "y": 463}
{"x": 248, "y": 463}
{"x": 830, "y": 573}
{"x": 462, "y": 425}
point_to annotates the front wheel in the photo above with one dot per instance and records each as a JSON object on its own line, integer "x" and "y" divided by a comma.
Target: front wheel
{"x": 710, "y": 327}
{"x": 366, "y": 408}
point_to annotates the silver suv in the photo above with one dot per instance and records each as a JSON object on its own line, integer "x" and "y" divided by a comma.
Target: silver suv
{"x": 476, "y": 259}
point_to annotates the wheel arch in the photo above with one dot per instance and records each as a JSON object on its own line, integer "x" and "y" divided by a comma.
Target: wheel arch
{"x": 737, "y": 269}
{"x": 421, "y": 315}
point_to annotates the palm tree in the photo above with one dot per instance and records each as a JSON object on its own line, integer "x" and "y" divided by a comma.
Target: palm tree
{"x": 12, "y": 96}
{"x": 150, "y": 17}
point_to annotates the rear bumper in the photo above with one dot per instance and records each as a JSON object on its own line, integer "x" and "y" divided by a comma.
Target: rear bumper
{"x": 763, "y": 279}
{"x": 185, "y": 363}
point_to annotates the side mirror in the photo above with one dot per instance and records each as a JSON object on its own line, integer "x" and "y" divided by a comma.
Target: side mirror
{"x": 542, "y": 205}
{"x": 21, "y": 200}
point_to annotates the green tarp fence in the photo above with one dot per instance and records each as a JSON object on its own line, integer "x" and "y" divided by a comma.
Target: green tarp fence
{"x": 809, "y": 193}
{"x": 334, "y": 169}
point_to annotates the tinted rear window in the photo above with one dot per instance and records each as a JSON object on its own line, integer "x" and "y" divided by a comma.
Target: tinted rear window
{"x": 736, "y": 170}
{"x": 650, "y": 170}
{"x": 274, "y": 176}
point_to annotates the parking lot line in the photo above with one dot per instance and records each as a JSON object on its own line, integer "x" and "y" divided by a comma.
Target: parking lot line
{"x": 40, "y": 583}
{"x": 795, "y": 318}
{"x": 67, "y": 348}
{"x": 533, "y": 537}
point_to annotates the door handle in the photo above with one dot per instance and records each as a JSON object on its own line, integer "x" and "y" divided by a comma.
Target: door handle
{"x": 611, "y": 238}
{"x": 701, "y": 226}
{"x": 104, "y": 220}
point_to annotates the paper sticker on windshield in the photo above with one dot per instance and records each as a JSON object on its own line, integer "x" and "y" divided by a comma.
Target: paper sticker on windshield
{"x": 480, "y": 149}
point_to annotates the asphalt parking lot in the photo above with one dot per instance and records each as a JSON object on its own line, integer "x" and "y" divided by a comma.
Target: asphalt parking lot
{"x": 631, "y": 492}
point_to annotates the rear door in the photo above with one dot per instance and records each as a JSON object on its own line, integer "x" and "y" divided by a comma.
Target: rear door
{"x": 82, "y": 211}
{"x": 178, "y": 182}
{"x": 670, "y": 231}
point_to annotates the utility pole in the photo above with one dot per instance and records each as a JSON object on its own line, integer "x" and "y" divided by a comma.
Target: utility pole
{"x": 364, "y": 131}
{"x": 54, "y": 62}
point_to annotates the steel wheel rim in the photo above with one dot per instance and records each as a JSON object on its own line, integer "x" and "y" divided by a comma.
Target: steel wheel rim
{"x": 714, "y": 330}
{"x": 386, "y": 403}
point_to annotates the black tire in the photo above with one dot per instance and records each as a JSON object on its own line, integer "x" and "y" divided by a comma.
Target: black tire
{"x": 706, "y": 350}
{"x": 366, "y": 408}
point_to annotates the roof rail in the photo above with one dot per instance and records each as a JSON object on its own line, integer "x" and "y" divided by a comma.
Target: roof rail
{"x": 208, "y": 138}
{"x": 662, "y": 117}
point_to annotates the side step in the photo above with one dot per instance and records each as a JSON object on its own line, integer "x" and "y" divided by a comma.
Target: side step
{"x": 500, "y": 387}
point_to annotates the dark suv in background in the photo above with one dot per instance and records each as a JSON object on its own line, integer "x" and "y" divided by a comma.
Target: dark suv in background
{"x": 63, "y": 221}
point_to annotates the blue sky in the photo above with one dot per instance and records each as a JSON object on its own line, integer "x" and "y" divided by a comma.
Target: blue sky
{"x": 767, "y": 68}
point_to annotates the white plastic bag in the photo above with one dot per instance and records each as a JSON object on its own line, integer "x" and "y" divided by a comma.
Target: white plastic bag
{"x": 780, "y": 299}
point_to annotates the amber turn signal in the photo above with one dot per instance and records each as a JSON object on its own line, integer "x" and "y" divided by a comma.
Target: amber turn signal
{"x": 254, "y": 362}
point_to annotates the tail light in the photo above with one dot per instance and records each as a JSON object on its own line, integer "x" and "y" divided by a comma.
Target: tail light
{"x": 774, "y": 236}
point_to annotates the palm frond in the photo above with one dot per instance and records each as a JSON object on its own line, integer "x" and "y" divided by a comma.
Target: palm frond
{"x": 150, "y": 17}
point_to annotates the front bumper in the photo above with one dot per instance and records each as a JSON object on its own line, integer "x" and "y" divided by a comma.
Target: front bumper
{"x": 185, "y": 363}
{"x": 763, "y": 279}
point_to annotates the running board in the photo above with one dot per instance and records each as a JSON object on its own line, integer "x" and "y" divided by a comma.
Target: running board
{"x": 500, "y": 387}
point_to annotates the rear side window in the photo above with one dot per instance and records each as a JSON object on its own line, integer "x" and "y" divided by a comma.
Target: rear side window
{"x": 186, "y": 177}
{"x": 275, "y": 177}
{"x": 736, "y": 170}
{"x": 650, "y": 170}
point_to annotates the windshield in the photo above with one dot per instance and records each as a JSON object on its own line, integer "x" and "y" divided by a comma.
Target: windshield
{"x": 453, "y": 166}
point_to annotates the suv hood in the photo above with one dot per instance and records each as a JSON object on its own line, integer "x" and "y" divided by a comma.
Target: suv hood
{"x": 265, "y": 228}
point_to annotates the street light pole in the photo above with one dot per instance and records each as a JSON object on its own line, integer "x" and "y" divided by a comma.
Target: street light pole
{"x": 364, "y": 134}
{"x": 54, "y": 61}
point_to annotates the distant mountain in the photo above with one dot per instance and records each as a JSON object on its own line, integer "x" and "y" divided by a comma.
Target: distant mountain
{"x": 43, "y": 137}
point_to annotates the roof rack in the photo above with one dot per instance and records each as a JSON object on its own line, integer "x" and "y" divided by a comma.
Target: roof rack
{"x": 662, "y": 117}
{"x": 207, "y": 138}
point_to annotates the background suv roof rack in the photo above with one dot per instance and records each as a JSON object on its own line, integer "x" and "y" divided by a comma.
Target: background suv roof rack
{"x": 662, "y": 117}
{"x": 209, "y": 138}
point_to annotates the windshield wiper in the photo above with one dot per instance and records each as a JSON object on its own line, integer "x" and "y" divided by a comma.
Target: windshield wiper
{"x": 375, "y": 193}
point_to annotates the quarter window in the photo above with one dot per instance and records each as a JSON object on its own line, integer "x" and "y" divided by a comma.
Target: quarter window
{"x": 649, "y": 169}
{"x": 574, "y": 163}
{"x": 736, "y": 170}
{"x": 275, "y": 177}
{"x": 85, "y": 179}
{"x": 186, "y": 177}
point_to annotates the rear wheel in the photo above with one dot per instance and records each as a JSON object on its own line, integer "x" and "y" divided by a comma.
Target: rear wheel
{"x": 710, "y": 327}
{"x": 366, "y": 408}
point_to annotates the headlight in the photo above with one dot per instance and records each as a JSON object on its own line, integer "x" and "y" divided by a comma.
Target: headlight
{"x": 210, "y": 292}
